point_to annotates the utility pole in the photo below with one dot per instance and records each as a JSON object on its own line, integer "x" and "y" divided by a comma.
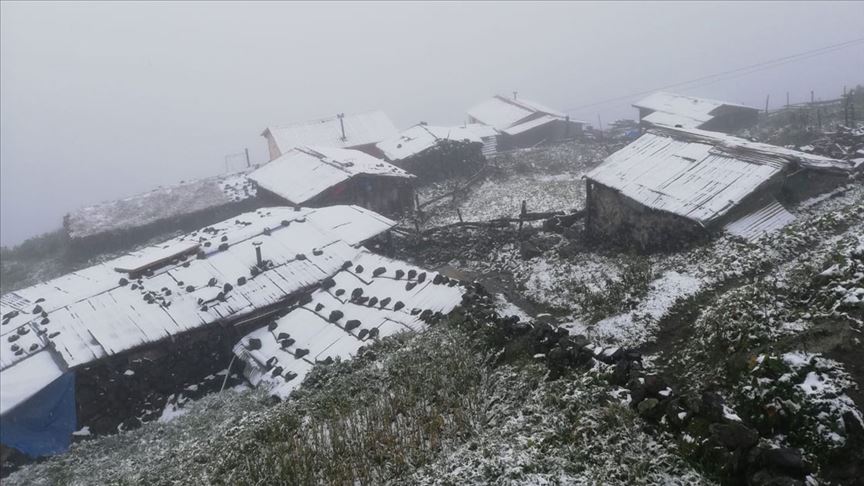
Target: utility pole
{"x": 787, "y": 99}
{"x": 600, "y": 126}
{"x": 341, "y": 117}
{"x": 767, "y": 97}
{"x": 248, "y": 163}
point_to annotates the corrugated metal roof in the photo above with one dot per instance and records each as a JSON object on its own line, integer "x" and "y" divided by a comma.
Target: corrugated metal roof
{"x": 767, "y": 219}
{"x": 360, "y": 129}
{"x": 697, "y": 174}
{"x": 22, "y": 382}
{"x": 423, "y": 137}
{"x": 98, "y": 311}
{"x": 662, "y": 118}
{"x": 159, "y": 204}
{"x": 305, "y": 172}
{"x": 481, "y": 130}
{"x": 489, "y": 136}
{"x": 502, "y": 113}
{"x": 528, "y": 125}
{"x": 687, "y": 111}
{"x": 747, "y": 149}
{"x": 401, "y": 292}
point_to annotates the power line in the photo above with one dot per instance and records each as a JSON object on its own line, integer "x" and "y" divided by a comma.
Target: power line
{"x": 731, "y": 74}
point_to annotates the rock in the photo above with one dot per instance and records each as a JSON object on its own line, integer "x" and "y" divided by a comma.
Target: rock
{"x": 786, "y": 459}
{"x": 131, "y": 423}
{"x": 352, "y": 324}
{"x": 765, "y": 477}
{"x": 735, "y": 435}
{"x": 727, "y": 463}
{"x": 620, "y": 373}
{"x": 852, "y": 424}
{"x": 648, "y": 407}
{"x": 579, "y": 340}
{"x": 570, "y": 250}
{"x": 692, "y": 404}
{"x": 528, "y": 250}
{"x": 654, "y": 384}
{"x": 253, "y": 344}
{"x": 712, "y": 406}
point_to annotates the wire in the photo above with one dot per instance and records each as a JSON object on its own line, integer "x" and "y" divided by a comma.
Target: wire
{"x": 731, "y": 74}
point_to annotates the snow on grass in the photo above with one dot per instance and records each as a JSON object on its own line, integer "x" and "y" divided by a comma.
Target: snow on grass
{"x": 502, "y": 196}
{"x": 631, "y": 329}
{"x": 506, "y": 308}
{"x": 155, "y": 453}
{"x": 173, "y": 409}
{"x": 560, "y": 432}
{"x": 554, "y": 280}
{"x": 810, "y": 386}
{"x": 547, "y": 179}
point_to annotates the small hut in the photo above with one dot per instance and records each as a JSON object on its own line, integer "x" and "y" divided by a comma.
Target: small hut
{"x": 359, "y": 132}
{"x": 678, "y": 111}
{"x": 431, "y": 152}
{"x": 522, "y": 123}
{"x": 672, "y": 186}
{"x": 320, "y": 176}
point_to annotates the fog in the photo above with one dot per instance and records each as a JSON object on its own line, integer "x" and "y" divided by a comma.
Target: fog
{"x": 100, "y": 101}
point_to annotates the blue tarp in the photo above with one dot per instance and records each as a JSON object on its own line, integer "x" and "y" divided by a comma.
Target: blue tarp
{"x": 42, "y": 425}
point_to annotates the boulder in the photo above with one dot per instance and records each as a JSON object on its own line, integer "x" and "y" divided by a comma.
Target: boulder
{"x": 654, "y": 384}
{"x": 734, "y": 435}
{"x": 649, "y": 408}
{"x": 786, "y": 459}
{"x": 528, "y": 250}
{"x": 765, "y": 477}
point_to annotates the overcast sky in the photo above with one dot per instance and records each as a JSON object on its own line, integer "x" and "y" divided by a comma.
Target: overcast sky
{"x": 104, "y": 100}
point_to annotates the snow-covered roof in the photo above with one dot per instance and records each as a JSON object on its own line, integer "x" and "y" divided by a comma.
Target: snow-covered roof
{"x": 305, "y": 172}
{"x": 672, "y": 109}
{"x": 528, "y": 125}
{"x": 101, "y": 311}
{"x": 501, "y": 112}
{"x": 766, "y": 219}
{"x": 481, "y": 130}
{"x": 360, "y": 129}
{"x": 21, "y": 382}
{"x": 159, "y": 204}
{"x": 422, "y": 137}
{"x": 697, "y": 174}
{"x": 373, "y": 297}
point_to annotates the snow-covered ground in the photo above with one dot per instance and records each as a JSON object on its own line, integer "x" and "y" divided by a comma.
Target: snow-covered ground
{"x": 547, "y": 179}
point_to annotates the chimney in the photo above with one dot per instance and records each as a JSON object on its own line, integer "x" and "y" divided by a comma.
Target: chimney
{"x": 341, "y": 117}
{"x": 258, "y": 259}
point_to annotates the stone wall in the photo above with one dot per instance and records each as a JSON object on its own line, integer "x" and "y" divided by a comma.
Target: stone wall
{"x": 617, "y": 220}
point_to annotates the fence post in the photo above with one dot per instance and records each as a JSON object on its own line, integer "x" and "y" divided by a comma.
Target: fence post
{"x": 522, "y": 214}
